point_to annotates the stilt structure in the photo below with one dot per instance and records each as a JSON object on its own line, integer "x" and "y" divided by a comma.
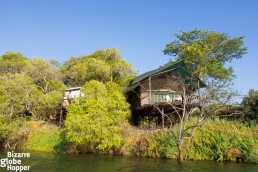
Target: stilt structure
{"x": 156, "y": 94}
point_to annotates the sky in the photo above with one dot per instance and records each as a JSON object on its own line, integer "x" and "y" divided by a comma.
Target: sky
{"x": 140, "y": 29}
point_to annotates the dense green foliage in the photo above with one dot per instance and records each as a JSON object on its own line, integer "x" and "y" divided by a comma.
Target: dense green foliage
{"x": 49, "y": 104}
{"x": 11, "y": 62}
{"x": 9, "y": 130}
{"x": 250, "y": 104}
{"x": 218, "y": 140}
{"x": 206, "y": 52}
{"x": 224, "y": 140}
{"x": 29, "y": 87}
{"x": 102, "y": 65}
{"x": 32, "y": 88}
{"x": 42, "y": 137}
{"x": 95, "y": 119}
{"x": 45, "y": 75}
{"x": 18, "y": 95}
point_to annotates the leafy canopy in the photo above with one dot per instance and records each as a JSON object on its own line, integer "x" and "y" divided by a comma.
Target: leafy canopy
{"x": 103, "y": 65}
{"x": 18, "y": 95}
{"x": 12, "y": 62}
{"x": 44, "y": 74}
{"x": 29, "y": 87}
{"x": 207, "y": 52}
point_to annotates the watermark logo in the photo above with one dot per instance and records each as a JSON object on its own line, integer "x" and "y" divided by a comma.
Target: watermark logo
{"x": 13, "y": 162}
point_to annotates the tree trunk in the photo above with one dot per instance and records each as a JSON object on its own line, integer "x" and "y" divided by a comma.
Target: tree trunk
{"x": 180, "y": 151}
{"x": 111, "y": 75}
{"x": 11, "y": 111}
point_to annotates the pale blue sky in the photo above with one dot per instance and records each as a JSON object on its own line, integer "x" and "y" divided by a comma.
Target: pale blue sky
{"x": 140, "y": 29}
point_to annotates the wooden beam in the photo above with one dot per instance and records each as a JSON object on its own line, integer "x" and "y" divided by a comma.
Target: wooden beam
{"x": 150, "y": 90}
{"x": 162, "y": 117}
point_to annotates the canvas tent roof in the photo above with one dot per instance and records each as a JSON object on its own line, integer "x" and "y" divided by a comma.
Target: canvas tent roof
{"x": 179, "y": 67}
{"x": 72, "y": 88}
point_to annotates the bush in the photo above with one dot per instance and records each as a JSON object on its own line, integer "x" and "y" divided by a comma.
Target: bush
{"x": 223, "y": 140}
{"x": 12, "y": 133}
{"x": 95, "y": 120}
{"x": 218, "y": 140}
{"x": 151, "y": 144}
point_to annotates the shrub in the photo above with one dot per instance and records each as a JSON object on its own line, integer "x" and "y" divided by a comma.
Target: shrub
{"x": 12, "y": 133}
{"x": 223, "y": 140}
{"x": 95, "y": 120}
{"x": 218, "y": 140}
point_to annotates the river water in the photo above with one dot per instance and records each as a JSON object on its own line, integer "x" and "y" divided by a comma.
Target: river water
{"x": 49, "y": 162}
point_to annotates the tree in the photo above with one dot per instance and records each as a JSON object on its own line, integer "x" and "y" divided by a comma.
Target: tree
{"x": 196, "y": 105}
{"x": 96, "y": 118}
{"x": 18, "y": 96}
{"x": 12, "y": 62}
{"x": 45, "y": 75}
{"x": 22, "y": 83}
{"x": 207, "y": 52}
{"x": 102, "y": 65}
{"x": 48, "y": 106}
{"x": 87, "y": 70}
{"x": 250, "y": 104}
{"x": 120, "y": 70}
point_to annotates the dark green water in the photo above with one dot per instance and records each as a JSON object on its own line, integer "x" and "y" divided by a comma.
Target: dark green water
{"x": 49, "y": 162}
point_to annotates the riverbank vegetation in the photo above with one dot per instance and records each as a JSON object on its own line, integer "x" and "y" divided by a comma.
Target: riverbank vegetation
{"x": 217, "y": 140}
{"x": 99, "y": 120}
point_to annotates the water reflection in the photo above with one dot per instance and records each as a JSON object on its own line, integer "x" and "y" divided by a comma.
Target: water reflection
{"x": 102, "y": 163}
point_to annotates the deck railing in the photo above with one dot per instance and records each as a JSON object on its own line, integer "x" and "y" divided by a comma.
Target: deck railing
{"x": 162, "y": 97}
{"x": 169, "y": 97}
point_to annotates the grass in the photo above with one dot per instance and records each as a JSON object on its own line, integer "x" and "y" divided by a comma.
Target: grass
{"x": 223, "y": 140}
{"x": 42, "y": 136}
{"x": 218, "y": 140}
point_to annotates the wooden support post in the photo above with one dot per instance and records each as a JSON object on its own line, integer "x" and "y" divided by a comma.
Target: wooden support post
{"x": 60, "y": 117}
{"x": 61, "y": 110}
{"x": 163, "y": 116}
{"x": 149, "y": 121}
{"x": 150, "y": 90}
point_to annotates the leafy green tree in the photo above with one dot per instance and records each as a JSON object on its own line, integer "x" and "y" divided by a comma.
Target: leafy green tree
{"x": 120, "y": 70}
{"x": 87, "y": 70}
{"x": 48, "y": 105}
{"x": 18, "y": 95}
{"x": 96, "y": 118}
{"x": 12, "y": 62}
{"x": 207, "y": 52}
{"x": 250, "y": 104}
{"x": 207, "y": 55}
{"x": 8, "y": 130}
{"x": 102, "y": 65}
{"x": 45, "y": 75}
